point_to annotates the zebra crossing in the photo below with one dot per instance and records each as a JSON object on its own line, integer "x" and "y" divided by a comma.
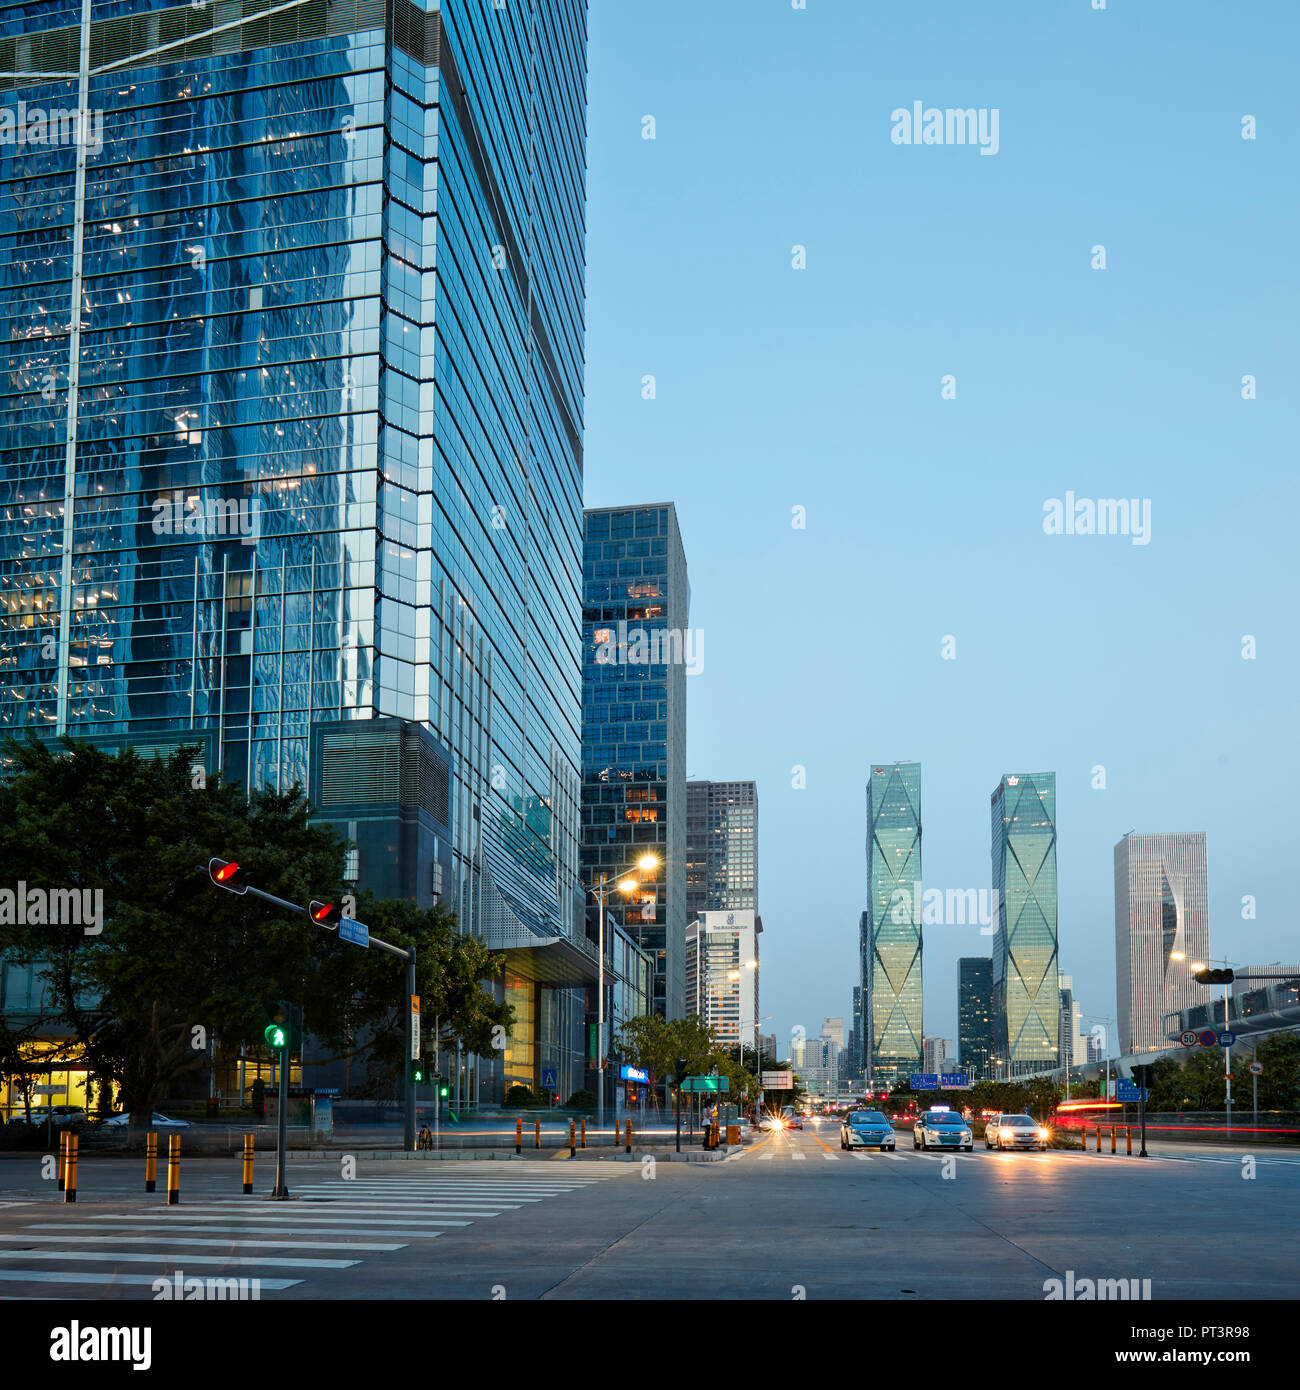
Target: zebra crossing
{"x": 331, "y": 1224}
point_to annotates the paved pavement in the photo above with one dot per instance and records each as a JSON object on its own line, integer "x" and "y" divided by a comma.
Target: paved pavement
{"x": 791, "y": 1216}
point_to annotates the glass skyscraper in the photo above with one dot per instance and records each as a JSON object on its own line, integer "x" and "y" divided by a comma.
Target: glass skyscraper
{"x": 721, "y": 847}
{"x": 1162, "y": 929}
{"x": 975, "y": 1015}
{"x": 890, "y": 933}
{"x": 292, "y": 440}
{"x": 1026, "y": 995}
{"x": 636, "y": 644}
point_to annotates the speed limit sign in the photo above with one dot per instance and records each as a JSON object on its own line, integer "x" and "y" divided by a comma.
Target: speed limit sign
{"x": 1187, "y": 1038}
{"x": 1256, "y": 1069}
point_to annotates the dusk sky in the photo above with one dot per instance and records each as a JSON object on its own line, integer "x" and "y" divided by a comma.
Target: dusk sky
{"x": 822, "y": 388}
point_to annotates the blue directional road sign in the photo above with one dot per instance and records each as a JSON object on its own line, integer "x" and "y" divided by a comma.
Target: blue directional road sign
{"x": 549, "y": 1081}
{"x": 954, "y": 1081}
{"x": 355, "y": 932}
{"x": 1126, "y": 1089}
{"x": 1227, "y": 1039}
{"x": 925, "y": 1081}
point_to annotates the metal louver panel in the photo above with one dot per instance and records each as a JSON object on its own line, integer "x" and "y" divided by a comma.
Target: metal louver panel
{"x": 361, "y": 765}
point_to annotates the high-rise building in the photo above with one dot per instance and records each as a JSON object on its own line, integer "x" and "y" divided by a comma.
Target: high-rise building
{"x": 833, "y": 1028}
{"x": 1162, "y": 929}
{"x": 858, "y": 1029}
{"x": 721, "y": 847}
{"x": 1026, "y": 995}
{"x": 256, "y": 500}
{"x": 975, "y": 1015}
{"x": 936, "y": 1054}
{"x": 636, "y": 648}
{"x": 1071, "y": 1048}
{"x": 722, "y": 974}
{"x": 890, "y": 931}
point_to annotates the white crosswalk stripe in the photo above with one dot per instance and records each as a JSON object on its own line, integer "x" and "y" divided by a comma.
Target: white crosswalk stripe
{"x": 329, "y": 1224}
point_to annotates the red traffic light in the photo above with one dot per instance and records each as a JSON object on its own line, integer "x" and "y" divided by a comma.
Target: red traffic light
{"x": 229, "y": 874}
{"x": 325, "y": 915}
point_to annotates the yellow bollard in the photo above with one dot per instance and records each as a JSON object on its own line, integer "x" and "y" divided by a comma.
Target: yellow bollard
{"x": 248, "y": 1164}
{"x": 537, "y": 1134}
{"x": 70, "y": 1174}
{"x": 63, "y": 1156}
{"x": 628, "y": 1146}
{"x": 570, "y": 1138}
{"x": 584, "y": 1132}
{"x": 1112, "y": 1139}
{"x": 150, "y": 1161}
{"x": 519, "y": 1136}
{"x": 173, "y": 1169}
{"x": 1128, "y": 1139}
{"x": 1098, "y": 1138}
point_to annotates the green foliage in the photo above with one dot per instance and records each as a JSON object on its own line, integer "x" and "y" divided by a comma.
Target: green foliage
{"x": 180, "y": 961}
{"x": 582, "y": 1100}
{"x": 519, "y": 1096}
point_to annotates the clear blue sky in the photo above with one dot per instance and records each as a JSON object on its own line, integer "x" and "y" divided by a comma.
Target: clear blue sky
{"x": 820, "y": 388}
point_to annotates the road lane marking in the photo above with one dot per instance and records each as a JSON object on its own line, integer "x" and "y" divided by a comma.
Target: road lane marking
{"x": 122, "y": 1238}
{"x": 299, "y": 1262}
{"x": 70, "y": 1276}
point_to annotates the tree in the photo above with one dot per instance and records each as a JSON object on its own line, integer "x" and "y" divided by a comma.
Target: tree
{"x": 179, "y": 963}
{"x": 1279, "y": 1082}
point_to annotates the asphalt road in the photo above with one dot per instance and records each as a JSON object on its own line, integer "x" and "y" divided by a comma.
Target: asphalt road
{"x": 792, "y": 1216}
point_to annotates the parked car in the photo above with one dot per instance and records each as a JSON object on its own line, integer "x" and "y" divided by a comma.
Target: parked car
{"x": 157, "y": 1121}
{"x": 866, "y": 1129}
{"x": 942, "y": 1129}
{"x": 57, "y": 1115}
{"x": 1018, "y": 1132}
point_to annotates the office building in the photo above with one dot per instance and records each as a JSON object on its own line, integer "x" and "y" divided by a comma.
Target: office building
{"x": 936, "y": 1054}
{"x": 890, "y": 930}
{"x": 255, "y": 500}
{"x": 722, "y": 975}
{"x": 1026, "y": 995}
{"x": 1071, "y": 1048}
{"x": 1162, "y": 930}
{"x": 975, "y": 1015}
{"x": 833, "y": 1028}
{"x": 721, "y": 847}
{"x": 636, "y": 650}
{"x": 857, "y": 1033}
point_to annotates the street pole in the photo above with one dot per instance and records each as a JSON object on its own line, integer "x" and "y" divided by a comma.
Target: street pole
{"x": 1254, "y": 1100}
{"x": 408, "y": 1136}
{"x": 1227, "y": 1062}
{"x": 280, "y": 1193}
{"x": 679, "y": 1117}
{"x": 600, "y": 1011}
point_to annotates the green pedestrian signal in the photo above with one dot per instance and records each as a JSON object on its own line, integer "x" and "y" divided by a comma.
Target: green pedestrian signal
{"x": 417, "y": 1073}
{"x": 277, "y": 1036}
{"x": 444, "y": 1091}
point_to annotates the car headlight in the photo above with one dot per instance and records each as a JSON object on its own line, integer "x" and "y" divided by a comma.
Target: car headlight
{"x": 1044, "y": 1134}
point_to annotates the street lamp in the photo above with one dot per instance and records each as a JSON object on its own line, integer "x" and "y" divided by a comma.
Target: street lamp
{"x": 1198, "y": 966}
{"x": 627, "y": 885}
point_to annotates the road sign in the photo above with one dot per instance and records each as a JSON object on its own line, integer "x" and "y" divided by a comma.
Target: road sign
{"x": 1126, "y": 1089}
{"x": 59, "y": 1090}
{"x": 1227, "y": 1039}
{"x": 355, "y": 932}
{"x": 954, "y": 1081}
{"x": 415, "y": 1027}
{"x": 1208, "y": 1039}
{"x": 778, "y": 1080}
{"x": 549, "y": 1081}
{"x": 1256, "y": 1069}
{"x": 1188, "y": 1037}
{"x": 925, "y": 1081}
{"x": 707, "y": 1083}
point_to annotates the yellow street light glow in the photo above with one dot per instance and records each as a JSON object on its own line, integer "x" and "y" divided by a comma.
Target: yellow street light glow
{"x": 648, "y": 862}
{"x": 1198, "y": 965}
{"x": 629, "y": 885}
{"x": 1177, "y": 955}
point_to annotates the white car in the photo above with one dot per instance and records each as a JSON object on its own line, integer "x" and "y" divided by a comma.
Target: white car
{"x": 771, "y": 1122}
{"x": 157, "y": 1122}
{"x": 1017, "y": 1132}
{"x": 942, "y": 1129}
{"x": 863, "y": 1129}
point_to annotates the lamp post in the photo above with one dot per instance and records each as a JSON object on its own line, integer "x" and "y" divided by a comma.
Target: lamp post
{"x": 1227, "y": 1051}
{"x": 628, "y": 885}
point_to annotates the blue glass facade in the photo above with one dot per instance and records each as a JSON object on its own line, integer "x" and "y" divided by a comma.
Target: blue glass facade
{"x": 292, "y": 428}
{"x": 636, "y": 606}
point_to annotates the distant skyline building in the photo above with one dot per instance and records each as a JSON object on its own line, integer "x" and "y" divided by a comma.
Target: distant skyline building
{"x": 833, "y": 1028}
{"x": 890, "y": 930}
{"x": 1162, "y": 930}
{"x": 1026, "y": 993}
{"x": 722, "y": 974}
{"x": 858, "y": 1028}
{"x": 936, "y": 1054}
{"x": 635, "y": 617}
{"x": 1072, "y": 1049}
{"x": 721, "y": 847}
{"x": 975, "y": 1015}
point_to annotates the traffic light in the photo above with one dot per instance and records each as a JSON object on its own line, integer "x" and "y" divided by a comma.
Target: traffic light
{"x": 417, "y": 1072}
{"x": 228, "y": 874}
{"x": 281, "y": 1031}
{"x": 682, "y": 1069}
{"x": 444, "y": 1090}
{"x": 1213, "y": 977}
{"x": 277, "y": 1036}
{"x": 325, "y": 915}
{"x": 1144, "y": 1073}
